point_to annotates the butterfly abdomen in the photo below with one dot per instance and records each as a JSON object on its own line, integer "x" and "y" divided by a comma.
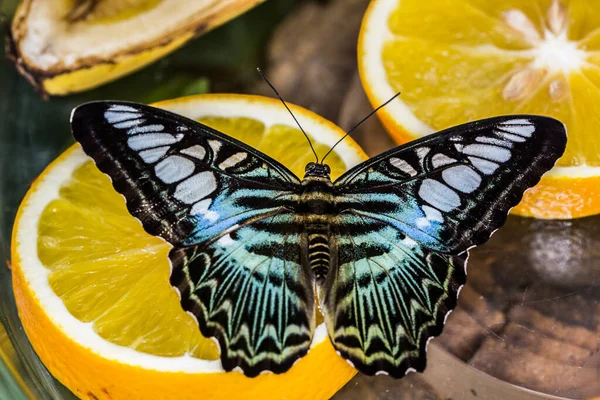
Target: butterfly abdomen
{"x": 318, "y": 251}
{"x": 317, "y": 208}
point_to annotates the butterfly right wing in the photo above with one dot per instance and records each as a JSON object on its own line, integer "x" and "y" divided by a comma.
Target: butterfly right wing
{"x": 228, "y": 211}
{"x": 387, "y": 295}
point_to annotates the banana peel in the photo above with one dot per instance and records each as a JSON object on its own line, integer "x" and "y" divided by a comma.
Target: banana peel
{"x": 68, "y": 46}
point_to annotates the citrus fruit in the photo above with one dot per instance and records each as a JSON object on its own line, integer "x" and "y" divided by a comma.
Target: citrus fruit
{"x": 69, "y": 46}
{"x": 92, "y": 288}
{"x": 469, "y": 59}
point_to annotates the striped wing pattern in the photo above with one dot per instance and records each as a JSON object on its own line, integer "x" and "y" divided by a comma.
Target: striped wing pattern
{"x": 184, "y": 181}
{"x": 451, "y": 190}
{"x": 236, "y": 256}
{"x": 406, "y": 220}
{"x": 397, "y": 228}
{"x": 249, "y": 289}
{"x": 388, "y": 296}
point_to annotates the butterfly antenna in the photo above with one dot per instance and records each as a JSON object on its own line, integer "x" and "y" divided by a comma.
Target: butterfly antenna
{"x": 359, "y": 123}
{"x": 290, "y": 111}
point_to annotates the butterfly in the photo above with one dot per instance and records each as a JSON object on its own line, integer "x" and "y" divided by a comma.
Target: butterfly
{"x": 384, "y": 247}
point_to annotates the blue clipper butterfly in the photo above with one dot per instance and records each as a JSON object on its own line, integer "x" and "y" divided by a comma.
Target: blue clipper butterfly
{"x": 384, "y": 246}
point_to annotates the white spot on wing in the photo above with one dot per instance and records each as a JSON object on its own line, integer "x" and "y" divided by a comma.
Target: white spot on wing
{"x": 151, "y": 156}
{"x": 128, "y": 123}
{"x": 195, "y": 151}
{"x": 173, "y": 169}
{"x": 201, "y": 208}
{"x": 409, "y": 370}
{"x": 114, "y": 117}
{"x": 510, "y": 136}
{"x": 422, "y": 223}
{"x": 422, "y": 152}
{"x": 433, "y": 214}
{"x": 462, "y": 178}
{"x": 381, "y": 373}
{"x": 226, "y": 241}
{"x": 439, "y": 195}
{"x": 215, "y": 146}
{"x": 146, "y": 129}
{"x": 521, "y": 127}
{"x": 141, "y": 142}
{"x": 490, "y": 140}
{"x": 196, "y": 187}
{"x": 403, "y": 166}
{"x": 233, "y": 160}
{"x": 439, "y": 160}
{"x": 488, "y": 151}
{"x": 409, "y": 242}
{"x": 485, "y": 166}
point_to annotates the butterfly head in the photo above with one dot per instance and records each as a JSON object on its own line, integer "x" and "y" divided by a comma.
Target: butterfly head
{"x": 316, "y": 169}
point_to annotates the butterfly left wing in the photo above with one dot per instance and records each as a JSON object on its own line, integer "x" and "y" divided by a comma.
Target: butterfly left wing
{"x": 228, "y": 211}
{"x": 451, "y": 190}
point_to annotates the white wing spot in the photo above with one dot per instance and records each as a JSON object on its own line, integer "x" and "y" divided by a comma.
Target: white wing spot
{"x": 490, "y": 140}
{"x": 196, "y": 187}
{"x": 439, "y": 195}
{"x": 403, "y": 166}
{"x": 422, "y": 223}
{"x": 485, "y": 166}
{"x": 488, "y": 151}
{"x": 173, "y": 169}
{"x": 233, "y": 160}
{"x": 462, "y": 178}
{"x": 409, "y": 242}
{"x": 195, "y": 151}
{"x": 510, "y": 136}
{"x": 439, "y": 160}
{"x": 146, "y": 129}
{"x": 116, "y": 116}
{"x": 215, "y": 146}
{"x": 147, "y": 141}
{"x": 433, "y": 214}
{"x": 226, "y": 241}
{"x": 422, "y": 152}
{"x": 201, "y": 208}
{"x": 153, "y": 155}
{"x": 521, "y": 127}
{"x": 128, "y": 124}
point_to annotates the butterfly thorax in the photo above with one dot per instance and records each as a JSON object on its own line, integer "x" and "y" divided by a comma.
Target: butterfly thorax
{"x": 317, "y": 207}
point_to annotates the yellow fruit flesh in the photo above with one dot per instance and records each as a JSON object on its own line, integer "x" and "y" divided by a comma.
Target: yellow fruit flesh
{"x": 456, "y": 66}
{"x": 109, "y": 272}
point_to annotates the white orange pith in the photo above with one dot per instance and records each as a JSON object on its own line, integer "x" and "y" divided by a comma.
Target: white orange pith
{"x": 92, "y": 287}
{"x": 460, "y": 61}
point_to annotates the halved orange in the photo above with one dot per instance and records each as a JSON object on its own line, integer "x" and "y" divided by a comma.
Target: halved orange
{"x": 469, "y": 59}
{"x": 92, "y": 287}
